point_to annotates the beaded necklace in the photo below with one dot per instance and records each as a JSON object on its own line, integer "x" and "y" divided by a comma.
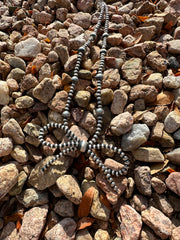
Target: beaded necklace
{"x": 74, "y": 142}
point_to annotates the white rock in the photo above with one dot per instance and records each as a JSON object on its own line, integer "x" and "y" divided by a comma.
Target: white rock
{"x": 4, "y": 93}
{"x": 6, "y": 146}
{"x": 171, "y": 81}
{"x": 28, "y": 48}
{"x": 172, "y": 122}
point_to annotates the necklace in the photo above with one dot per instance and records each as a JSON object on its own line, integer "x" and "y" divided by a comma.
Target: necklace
{"x": 74, "y": 142}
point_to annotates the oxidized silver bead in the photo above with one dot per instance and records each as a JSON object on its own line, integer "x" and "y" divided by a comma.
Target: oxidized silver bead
{"x": 93, "y": 34}
{"x": 105, "y": 35}
{"x": 99, "y": 76}
{"x": 99, "y": 111}
{"x": 103, "y": 50}
{"x": 83, "y": 147}
{"x": 66, "y": 114}
{"x": 74, "y": 79}
{"x": 81, "y": 49}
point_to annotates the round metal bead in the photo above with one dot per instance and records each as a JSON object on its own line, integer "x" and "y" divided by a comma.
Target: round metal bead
{"x": 93, "y": 34}
{"x": 99, "y": 111}
{"x": 81, "y": 49}
{"x": 66, "y": 114}
{"x": 74, "y": 79}
{"x": 99, "y": 76}
{"x": 103, "y": 50}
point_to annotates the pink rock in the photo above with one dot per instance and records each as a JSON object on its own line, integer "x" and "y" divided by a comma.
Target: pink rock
{"x": 42, "y": 17}
{"x": 64, "y": 230}
{"x": 112, "y": 196}
{"x": 131, "y": 223}
{"x": 115, "y": 39}
{"x": 173, "y": 182}
{"x": 82, "y": 19}
{"x": 70, "y": 64}
{"x": 88, "y": 122}
{"x": 48, "y": 151}
{"x": 33, "y": 223}
{"x": 174, "y": 7}
{"x": 58, "y": 103}
{"x": 119, "y": 101}
{"x": 175, "y": 233}
{"x": 158, "y": 185}
{"x": 75, "y": 30}
{"x": 156, "y": 220}
{"x": 61, "y": 14}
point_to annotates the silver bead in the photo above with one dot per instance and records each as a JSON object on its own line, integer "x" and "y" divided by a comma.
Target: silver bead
{"x": 103, "y": 50}
{"x": 83, "y": 146}
{"x": 99, "y": 76}
{"x": 93, "y": 34}
{"x": 74, "y": 79}
{"x": 66, "y": 114}
{"x": 81, "y": 49}
{"x": 99, "y": 111}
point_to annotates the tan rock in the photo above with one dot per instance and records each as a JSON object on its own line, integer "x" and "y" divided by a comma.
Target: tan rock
{"x": 148, "y": 154}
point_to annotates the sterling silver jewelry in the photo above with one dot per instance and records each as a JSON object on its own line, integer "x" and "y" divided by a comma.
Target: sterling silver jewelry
{"x": 74, "y": 142}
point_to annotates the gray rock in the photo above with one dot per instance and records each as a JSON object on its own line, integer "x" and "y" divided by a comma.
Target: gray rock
{"x": 174, "y": 156}
{"x": 172, "y": 122}
{"x": 16, "y": 62}
{"x": 174, "y": 46}
{"x": 32, "y": 198}
{"x": 8, "y": 178}
{"x": 143, "y": 180}
{"x": 6, "y": 146}
{"x": 137, "y": 136}
{"x": 176, "y": 135}
{"x": 68, "y": 185}
{"x": 12, "y": 129}
{"x": 16, "y": 74}
{"x": 171, "y": 81}
{"x": 121, "y": 124}
{"x": 28, "y": 48}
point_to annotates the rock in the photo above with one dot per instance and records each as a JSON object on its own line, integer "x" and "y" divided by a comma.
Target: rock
{"x": 82, "y": 98}
{"x": 164, "y": 204}
{"x": 161, "y": 112}
{"x": 101, "y": 234}
{"x": 16, "y": 62}
{"x": 33, "y": 223}
{"x": 6, "y": 146}
{"x": 88, "y": 122}
{"x": 16, "y": 74}
{"x": 157, "y": 21}
{"x": 63, "y": 4}
{"x": 64, "y": 208}
{"x": 137, "y": 136}
{"x": 24, "y": 102}
{"x": 174, "y": 156}
{"x": 12, "y": 85}
{"x": 121, "y": 183}
{"x": 28, "y": 82}
{"x": 147, "y": 92}
{"x": 149, "y": 118}
{"x": 45, "y": 72}
{"x": 174, "y": 46}
{"x": 83, "y": 20}
{"x": 44, "y": 90}
{"x": 89, "y": 173}
{"x": 120, "y": 99}
{"x": 173, "y": 182}
{"x": 155, "y": 60}
{"x": 59, "y": 167}
{"x": 42, "y": 17}
{"x": 85, "y": 6}
{"x": 176, "y": 93}
{"x": 83, "y": 235}
{"x": 32, "y": 198}
{"x": 28, "y": 48}
{"x": 139, "y": 202}
{"x": 171, "y": 81}
{"x": 4, "y": 93}
{"x": 177, "y": 33}
{"x": 147, "y": 234}
{"x": 130, "y": 187}
{"x": 154, "y": 79}
{"x": 34, "y": 153}
{"x": 98, "y": 209}
{"x": 175, "y": 233}
{"x": 9, "y": 232}
{"x": 12, "y": 129}
{"x": 158, "y": 185}
{"x": 139, "y": 105}
{"x": 115, "y": 39}
{"x": 63, "y": 230}
{"x": 85, "y": 74}
{"x": 52, "y": 57}
{"x": 132, "y": 70}
{"x": 5, "y": 68}
{"x": 75, "y": 30}
{"x": 176, "y": 135}
{"x": 121, "y": 124}
{"x": 148, "y": 154}
{"x": 19, "y": 154}
{"x": 131, "y": 223}
{"x": 58, "y": 102}
{"x": 8, "y": 178}
{"x": 19, "y": 185}
{"x": 111, "y": 78}
{"x": 68, "y": 185}
{"x": 147, "y": 32}
{"x": 106, "y": 96}
{"x": 157, "y": 221}
{"x": 172, "y": 122}
{"x": 143, "y": 180}
{"x": 167, "y": 140}
{"x": 32, "y": 129}
{"x": 61, "y": 14}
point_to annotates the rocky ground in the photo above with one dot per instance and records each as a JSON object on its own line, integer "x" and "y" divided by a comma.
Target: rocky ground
{"x": 141, "y": 100}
